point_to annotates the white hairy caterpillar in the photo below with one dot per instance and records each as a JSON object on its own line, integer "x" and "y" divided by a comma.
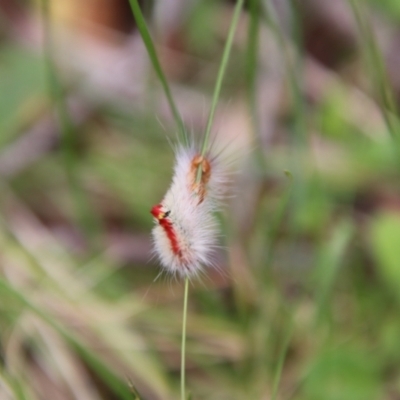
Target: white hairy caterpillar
{"x": 185, "y": 235}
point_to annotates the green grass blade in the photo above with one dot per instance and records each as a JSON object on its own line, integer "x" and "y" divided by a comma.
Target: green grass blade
{"x": 376, "y": 67}
{"x": 281, "y": 361}
{"x": 272, "y": 233}
{"x": 251, "y": 76}
{"x": 134, "y": 391}
{"x": 114, "y": 383}
{"x": 294, "y": 71}
{"x": 14, "y": 384}
{"x": 221, "y": 74}
{"x": 330, "y": 260}
{"x": 148, "y": 42}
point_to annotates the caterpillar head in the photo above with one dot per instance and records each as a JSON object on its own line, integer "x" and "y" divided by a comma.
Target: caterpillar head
{"x": 159, "y": 212}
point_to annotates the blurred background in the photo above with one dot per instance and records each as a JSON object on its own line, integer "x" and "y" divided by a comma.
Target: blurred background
{"x": 306, "y": 302}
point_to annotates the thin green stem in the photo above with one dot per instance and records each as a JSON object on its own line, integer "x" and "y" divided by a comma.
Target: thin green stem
{"x": 274, "y": 225}
{"x": 221, "y": 73}
{"x": 183, "y": 346}
{"x": 148, "y": 42}
{"x": 377, "y": 68}
{"x": 252, "y": 60}
{"x": 293, "y": 61}
{"x": 281, "y": 361}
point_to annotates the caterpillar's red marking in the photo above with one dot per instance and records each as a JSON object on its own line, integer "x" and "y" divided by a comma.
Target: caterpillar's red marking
{"x": 166, "y": 224}
{"x": 169, "y": 230}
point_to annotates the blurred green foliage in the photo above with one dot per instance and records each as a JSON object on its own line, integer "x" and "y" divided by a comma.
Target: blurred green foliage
{"x": 308, "y": 300}
{"x": 23, "y": 90}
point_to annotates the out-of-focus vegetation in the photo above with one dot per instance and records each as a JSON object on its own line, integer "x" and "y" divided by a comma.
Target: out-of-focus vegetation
{"x": 307, "y": 304}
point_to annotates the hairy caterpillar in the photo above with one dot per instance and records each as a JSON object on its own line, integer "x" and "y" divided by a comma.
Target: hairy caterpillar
{"x": 185, "y": 234}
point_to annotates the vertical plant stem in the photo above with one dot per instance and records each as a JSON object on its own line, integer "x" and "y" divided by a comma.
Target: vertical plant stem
{"x": 281, "y": 361}
{"x": 141, "y": 24}
{"x": 151, "y": 50}
{"x": 221, "y": 73}
{"x": 217, "y": 90}
{"x": 252, "y": 60}
{"x": 292, "y": 61}
{"x": 183, "y": 345}
{"x": 274, "y": 225}
{"x": 292, "y": 49}
{"x": 377, "y": 68}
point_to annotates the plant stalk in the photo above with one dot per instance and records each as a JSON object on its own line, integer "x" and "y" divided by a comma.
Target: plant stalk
{"x": 183, "y": 345}
{"x": 151, "y": 50}
{"x": 220, "y": 77}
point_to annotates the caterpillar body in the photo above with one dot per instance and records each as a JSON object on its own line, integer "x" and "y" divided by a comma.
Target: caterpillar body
{"x": 185, "y": 232}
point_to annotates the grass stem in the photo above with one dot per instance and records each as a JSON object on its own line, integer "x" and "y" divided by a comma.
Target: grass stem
{"x": 281, "y": 361}
{"x": 141, "y": 24}
{"x": 151, "y": 50}
{"x": 183, "y": 346}
{"x": 377, "y": 68}
{"x": 292, "y": 49}
{"x": 221, "y": 74}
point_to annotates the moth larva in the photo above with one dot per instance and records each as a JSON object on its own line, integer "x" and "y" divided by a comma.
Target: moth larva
{"x": 185, "y": 234}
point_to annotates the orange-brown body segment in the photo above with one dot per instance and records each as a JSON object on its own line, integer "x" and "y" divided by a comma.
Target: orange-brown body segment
{"x": 200, "y": 187}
